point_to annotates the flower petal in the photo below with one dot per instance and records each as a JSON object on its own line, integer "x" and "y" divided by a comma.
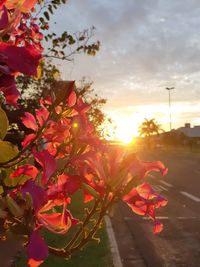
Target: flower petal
{"x": 142, "y": 168}
{"x": 29, "y": 121}
{"x": 42, "y": 115}
{"x": 71, "y": 101}
{"x": 67, "y": 184}
{"x": 38, "y": 194}
{"x": 27, "y": 140}
{"x": 48, "y": 163}
{"x": 4, "y": 18}
{"x": 34, "y": 263}
{"x": 143, "y": 200}
{"x": 37, "y": 249}
{"x": 20, "y": 59}
{"x": 27, "y": 169}
{"x": 24, "y": 5}
{"x": 158, "y": 227}
{"x": 2, "y": 2}
{"x": 8, "y": 87}
{"x": 58, "y": 223}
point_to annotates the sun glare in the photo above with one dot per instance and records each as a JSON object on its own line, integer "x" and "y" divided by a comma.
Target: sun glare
{"x": 125, "y": 126}
{"x": 124, "y": 135}
{"x": 126, "y": 129}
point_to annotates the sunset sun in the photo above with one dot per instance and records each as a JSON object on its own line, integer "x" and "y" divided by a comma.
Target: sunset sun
{"x": 126, "y": 129}
{"x": 123, "y": 134}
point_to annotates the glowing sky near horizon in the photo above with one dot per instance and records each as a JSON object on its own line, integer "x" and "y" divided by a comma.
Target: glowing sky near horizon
{"x": 146, "y": 46}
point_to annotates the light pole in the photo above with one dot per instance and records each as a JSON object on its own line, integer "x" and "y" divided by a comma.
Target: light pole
{"x": 170, "y": 116}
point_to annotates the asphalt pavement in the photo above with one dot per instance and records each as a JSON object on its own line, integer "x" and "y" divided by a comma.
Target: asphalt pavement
{"x": 178, "y": 245}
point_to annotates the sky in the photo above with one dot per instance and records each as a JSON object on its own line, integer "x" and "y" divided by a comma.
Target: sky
{"x": 146, "y": 46}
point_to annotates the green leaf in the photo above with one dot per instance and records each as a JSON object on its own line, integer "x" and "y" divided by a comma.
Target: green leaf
{"x": 41, "y": 20}
{"x": 3, "y": 124}
{"x": 12, "y": 182}
{"x": 46, "y": 14}
{"x": 50, "y": 9}
{"x": 7, "y": 151}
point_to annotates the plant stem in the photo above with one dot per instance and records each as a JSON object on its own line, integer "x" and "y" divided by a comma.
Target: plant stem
{"x": 69, "y": 249}
{"x": 65, "y": 251}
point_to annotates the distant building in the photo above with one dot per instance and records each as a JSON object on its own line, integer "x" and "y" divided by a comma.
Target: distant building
{"x": 191, "y": 132}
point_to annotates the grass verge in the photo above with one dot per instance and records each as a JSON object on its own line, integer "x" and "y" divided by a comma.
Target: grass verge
{"x": 94, "y": 254}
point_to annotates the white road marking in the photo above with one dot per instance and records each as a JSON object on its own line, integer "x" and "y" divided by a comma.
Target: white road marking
{"x": 157, "y": 217}
{"x": 168, "y": 218}
{"x": 163, "y": 188}
{"x": 165, "y": 183}
{"x": 190, "y": 196}
{"x": 164, "y": 218}
{"x": 157, "y": 188}
{"x": 113, "y": 244}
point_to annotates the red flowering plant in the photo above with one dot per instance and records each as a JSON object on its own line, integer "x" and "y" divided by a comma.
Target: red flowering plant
{"x": 60, "y": 155}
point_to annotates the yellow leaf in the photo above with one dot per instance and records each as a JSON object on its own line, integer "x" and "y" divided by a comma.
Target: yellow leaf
{"x": 1, "y": 190}
{"x": 7, "y": 151}
{"x": 39, "y": 73}
{"x": 3, "y": 124}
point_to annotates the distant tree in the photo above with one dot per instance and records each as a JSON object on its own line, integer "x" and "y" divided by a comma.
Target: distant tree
{"x": 149, "y": 127}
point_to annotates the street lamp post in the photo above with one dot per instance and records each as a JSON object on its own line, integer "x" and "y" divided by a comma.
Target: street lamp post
{"x": 170, "y": 116}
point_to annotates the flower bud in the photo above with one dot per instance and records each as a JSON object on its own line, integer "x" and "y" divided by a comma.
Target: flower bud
{"x": 13, "y": 207}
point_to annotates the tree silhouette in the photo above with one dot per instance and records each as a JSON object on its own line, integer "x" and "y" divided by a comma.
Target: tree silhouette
{"x": 149, "y": 128}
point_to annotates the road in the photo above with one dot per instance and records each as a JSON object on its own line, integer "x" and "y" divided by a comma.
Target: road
{"x": 179, "y": 243}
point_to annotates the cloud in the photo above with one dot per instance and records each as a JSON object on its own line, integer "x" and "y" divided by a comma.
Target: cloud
{"x": 146, "y": 46}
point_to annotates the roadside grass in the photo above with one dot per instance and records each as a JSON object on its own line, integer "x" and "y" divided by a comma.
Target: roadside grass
{"x": 94, "y": 254}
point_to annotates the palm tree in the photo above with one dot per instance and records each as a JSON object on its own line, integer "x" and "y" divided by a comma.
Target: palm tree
{"x": 149, "y": 128}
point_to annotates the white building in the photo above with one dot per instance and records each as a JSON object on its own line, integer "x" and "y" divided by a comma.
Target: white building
{"x": 192, "y": 132}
